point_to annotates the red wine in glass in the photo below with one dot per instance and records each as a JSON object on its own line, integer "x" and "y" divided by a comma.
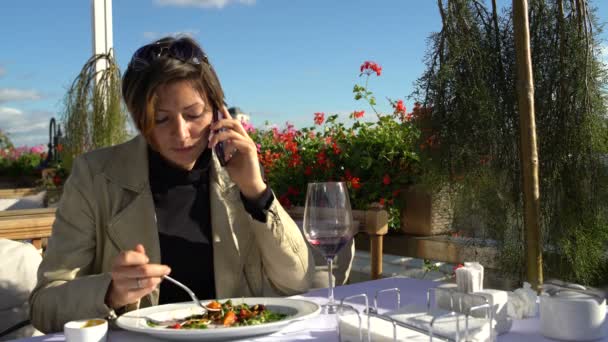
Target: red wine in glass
{"x": 329, "y": 246}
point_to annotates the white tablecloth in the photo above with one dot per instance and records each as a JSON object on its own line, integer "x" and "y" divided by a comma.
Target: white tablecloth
{"x": 323, "y": 327}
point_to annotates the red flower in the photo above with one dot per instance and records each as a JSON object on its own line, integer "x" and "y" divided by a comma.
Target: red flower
{"x": 56, "y": 180}
{"x": 354, "y": 182}
{"x": 396, "y": 192}
{"x": 291, "y": 146}
{"x": 293, "y": 191}
{"x": 358, "y": 114}
{"x": 321, "y": 158}
{"x": 308, "y": 171}
{"x": 381, "y": 201}
{"x": 457, "y": 267}
{"x": 319, "y": 118}
{"x": 386, "y": 180}
{"x": 369, "y": 67}
{"x": 336, "y": 148}
{"x": 285, "y": 202}
{"x": 399, "y": 107}
{"x": 295, "y": 160}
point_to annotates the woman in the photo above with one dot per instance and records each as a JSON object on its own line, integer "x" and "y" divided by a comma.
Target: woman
{"x": 162, "y": 204}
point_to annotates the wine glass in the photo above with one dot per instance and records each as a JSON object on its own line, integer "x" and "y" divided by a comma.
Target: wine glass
{"x": 328, "y": 225}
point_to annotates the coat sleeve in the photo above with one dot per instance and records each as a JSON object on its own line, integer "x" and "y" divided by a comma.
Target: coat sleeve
{"x": 67, "y": 289}
{"x": 287, "y": 261}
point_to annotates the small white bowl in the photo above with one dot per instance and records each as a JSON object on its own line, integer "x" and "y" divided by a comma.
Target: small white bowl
{"x": 86, "y": 330}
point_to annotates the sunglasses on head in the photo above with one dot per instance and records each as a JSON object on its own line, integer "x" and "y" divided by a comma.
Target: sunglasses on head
{"x": 179, "y": 49}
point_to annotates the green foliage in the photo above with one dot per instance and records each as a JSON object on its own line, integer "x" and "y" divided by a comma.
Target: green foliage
{"x": 376, "y": 158}
{"x": 5, "y": 141}
{"x": 94, "y": 116}
{"x": 470, "y": 84}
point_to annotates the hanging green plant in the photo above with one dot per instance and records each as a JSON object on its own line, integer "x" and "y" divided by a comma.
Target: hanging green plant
{"x": 94, "y": 116}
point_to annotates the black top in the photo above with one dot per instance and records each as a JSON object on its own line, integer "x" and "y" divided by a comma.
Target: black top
{"x": 181, "y": 200}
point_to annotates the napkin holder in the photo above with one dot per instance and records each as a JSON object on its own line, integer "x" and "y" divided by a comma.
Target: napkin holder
{"x": 415, "y": 323}
{"x": 449, "y": 298}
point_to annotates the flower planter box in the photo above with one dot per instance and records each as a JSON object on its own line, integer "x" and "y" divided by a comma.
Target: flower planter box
{"x": 8, "y": 182}
{"x": 426, "y": 214}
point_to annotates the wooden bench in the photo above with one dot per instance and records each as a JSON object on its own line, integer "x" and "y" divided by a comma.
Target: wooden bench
{"x": 36, "y": 225}
{"x": 374, "y": 222}
{"x": 18, "y": 192}
{"x": 27, "y": 224}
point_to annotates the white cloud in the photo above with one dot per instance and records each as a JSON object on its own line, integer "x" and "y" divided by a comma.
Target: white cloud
{"x": 11, "y": 94}
{"x": 203, "y": 3}
{"x": 25, "y": 128}
{"x": 150, "y": 35}
{"x": 9, "y": 112}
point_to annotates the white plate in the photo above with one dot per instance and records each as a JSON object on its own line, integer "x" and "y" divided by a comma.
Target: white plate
{"x": 297, "y": 309}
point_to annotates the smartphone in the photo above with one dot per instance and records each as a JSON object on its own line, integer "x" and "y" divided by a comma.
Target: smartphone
{"x": 219, "y": 147}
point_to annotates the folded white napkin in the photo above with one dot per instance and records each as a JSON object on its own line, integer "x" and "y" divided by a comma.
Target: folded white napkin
{"x": 469, "y": 278}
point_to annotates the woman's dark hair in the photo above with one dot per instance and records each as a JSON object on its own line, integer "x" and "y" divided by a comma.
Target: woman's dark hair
{"x": 166, "y": 61}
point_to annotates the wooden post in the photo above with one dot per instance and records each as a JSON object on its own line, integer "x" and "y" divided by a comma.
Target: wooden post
{"x": 528, "y": 149}
{"x": 375, "y": 243}
{"x": 376, "y": 225}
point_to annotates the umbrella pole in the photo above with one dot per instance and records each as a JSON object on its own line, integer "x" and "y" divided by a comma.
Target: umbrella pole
{"x": 528, "y": 148}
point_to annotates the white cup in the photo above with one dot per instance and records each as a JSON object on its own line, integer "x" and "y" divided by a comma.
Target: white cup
{"x": 86, "y": 330}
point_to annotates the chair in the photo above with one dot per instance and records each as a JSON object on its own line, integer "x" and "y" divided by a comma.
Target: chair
{"x": 18, "y": 274}
{"x": 27, "y": 224}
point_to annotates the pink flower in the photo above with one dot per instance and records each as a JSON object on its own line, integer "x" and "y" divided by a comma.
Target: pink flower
{"x": 38, "y": 149}
{"x": 290, "y": 128}
{"x": 248, "y": 127}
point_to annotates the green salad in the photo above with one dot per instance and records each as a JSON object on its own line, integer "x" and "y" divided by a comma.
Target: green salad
{"x": 228, "y": 315}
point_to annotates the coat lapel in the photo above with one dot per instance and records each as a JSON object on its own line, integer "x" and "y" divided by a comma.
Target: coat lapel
{"x": 135, "y": 222}
{"x": 231, "y": 238}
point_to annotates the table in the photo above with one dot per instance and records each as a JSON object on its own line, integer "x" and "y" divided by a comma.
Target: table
{"x": 323, "y": 328}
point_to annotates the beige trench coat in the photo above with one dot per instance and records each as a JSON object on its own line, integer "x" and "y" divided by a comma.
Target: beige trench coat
{"x": 107, "y": 207}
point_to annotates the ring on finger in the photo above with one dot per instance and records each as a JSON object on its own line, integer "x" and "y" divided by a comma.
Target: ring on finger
{"x": 139, "y": 285}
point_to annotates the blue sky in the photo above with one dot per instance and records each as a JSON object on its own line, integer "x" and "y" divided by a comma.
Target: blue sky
{"x": 279, "y": 60}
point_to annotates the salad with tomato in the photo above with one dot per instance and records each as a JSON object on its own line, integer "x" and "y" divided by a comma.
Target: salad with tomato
{"x": 227, "y": 315}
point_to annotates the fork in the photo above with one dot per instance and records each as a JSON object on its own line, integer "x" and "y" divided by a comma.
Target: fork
{"x": 190, "y": 292}
{"x": 174, "y": 321}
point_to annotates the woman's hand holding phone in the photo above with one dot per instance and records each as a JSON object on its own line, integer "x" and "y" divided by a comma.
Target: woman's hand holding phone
{"x": 237, "y": 152}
